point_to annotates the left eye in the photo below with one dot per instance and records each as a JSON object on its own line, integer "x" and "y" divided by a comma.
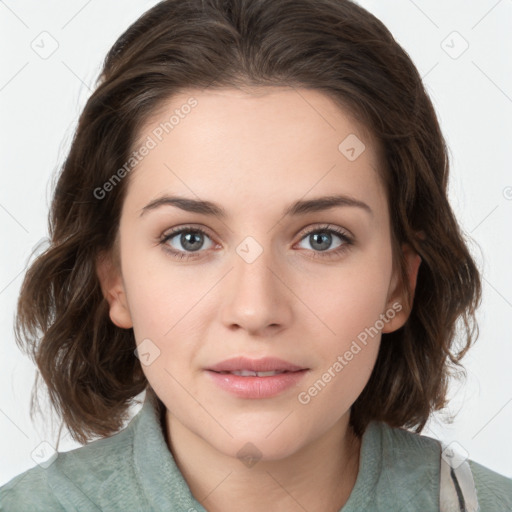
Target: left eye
{"x": 322, "y": 239}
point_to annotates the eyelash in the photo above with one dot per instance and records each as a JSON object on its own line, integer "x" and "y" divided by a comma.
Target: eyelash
{"x": 327, "y": 228}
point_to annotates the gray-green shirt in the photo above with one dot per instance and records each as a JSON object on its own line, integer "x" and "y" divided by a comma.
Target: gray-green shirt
{"x": 135, "y": 471}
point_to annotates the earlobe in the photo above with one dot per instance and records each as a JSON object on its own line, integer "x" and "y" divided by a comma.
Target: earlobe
{"x": 401, "y": 301}
{"x": 113, "y": 290}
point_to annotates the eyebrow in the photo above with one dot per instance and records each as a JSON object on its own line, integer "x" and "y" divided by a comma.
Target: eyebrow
{"x": 301, "y": 207}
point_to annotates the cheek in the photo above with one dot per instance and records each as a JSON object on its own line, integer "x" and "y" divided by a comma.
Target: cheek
{"x": 347, "y": 349}
{"x": 159, "y": 293}
{"x": 352, "y": 298}
{"x": 350, "y": 304}
{"x": 169, "y": 311}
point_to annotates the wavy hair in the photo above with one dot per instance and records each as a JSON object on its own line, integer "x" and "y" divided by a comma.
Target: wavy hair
{"x": 333, "y": 46}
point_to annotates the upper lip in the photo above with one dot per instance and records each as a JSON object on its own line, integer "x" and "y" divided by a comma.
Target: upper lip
{"x": 266, "y": 364}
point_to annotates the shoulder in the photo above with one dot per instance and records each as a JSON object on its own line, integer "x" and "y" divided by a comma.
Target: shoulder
{"x": 494, "y": 491}
{"x": 75, "y": 477}
{"x": 408, "y": 455}
{"x": 28, "y": 491}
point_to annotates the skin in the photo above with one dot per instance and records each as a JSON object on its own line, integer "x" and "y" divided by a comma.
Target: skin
{"x": 254, "y": 152}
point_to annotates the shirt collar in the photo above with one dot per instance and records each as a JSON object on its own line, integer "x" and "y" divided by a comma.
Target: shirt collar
{"x": 159, "y": 476}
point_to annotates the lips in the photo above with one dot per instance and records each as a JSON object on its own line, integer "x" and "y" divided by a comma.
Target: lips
{"x": 246, "y": 367}
{"x": 256, "y": 378}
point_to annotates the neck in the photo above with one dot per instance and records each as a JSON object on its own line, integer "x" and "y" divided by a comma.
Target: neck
{"x": 318, "y": 478}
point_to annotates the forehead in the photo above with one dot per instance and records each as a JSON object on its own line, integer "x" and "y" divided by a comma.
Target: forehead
{"x": 259, "y": 144}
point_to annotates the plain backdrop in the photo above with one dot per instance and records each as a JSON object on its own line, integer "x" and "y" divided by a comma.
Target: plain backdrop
{"x": 51, "y": 54}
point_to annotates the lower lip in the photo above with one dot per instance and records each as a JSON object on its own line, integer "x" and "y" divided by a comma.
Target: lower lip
{"x": 257, "y": 387}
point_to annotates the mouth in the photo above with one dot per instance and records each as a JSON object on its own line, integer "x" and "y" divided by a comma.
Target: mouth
{"x": 256, "y": 378}
{"x": 249, "y": 373}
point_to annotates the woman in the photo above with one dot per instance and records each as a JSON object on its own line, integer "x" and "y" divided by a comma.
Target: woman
{"x": 252, "y": 226}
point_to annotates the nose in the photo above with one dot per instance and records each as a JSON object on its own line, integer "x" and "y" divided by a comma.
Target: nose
{"x": 256, "y": 298}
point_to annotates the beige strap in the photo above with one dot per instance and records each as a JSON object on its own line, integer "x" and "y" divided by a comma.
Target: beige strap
{"x": 457, "y": 492}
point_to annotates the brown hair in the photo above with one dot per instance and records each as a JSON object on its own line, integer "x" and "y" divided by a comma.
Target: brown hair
{"x": 333, "y": 46}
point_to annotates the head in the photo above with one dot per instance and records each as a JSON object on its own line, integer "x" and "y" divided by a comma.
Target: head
{"x": 249, "y": 107}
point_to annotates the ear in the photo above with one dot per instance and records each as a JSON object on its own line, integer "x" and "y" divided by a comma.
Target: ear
{"x": 399, "y": 301}
{"x": 109, "y": 275}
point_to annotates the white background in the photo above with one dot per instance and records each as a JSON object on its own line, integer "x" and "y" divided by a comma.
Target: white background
{"x": 40, "y": 100}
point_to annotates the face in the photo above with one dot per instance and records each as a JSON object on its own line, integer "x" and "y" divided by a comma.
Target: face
{"x": 248, "y": 275}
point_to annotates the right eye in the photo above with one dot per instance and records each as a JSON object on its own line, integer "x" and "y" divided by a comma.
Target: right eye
{"x": 183, "y": 242}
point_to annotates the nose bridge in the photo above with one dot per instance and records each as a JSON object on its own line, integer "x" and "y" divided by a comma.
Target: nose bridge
{"x": 256, "y": 299}
{"x": 252, "y": 262}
